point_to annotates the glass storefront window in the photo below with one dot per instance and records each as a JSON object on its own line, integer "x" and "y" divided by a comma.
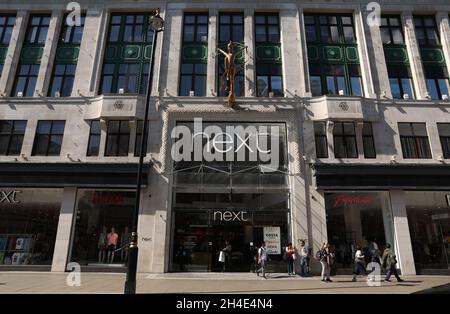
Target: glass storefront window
{"x": 353, "y": 219}
{"x": 429, "y": 227}
{"x": 102, "y": 227}
{"x": 28, "y": 225}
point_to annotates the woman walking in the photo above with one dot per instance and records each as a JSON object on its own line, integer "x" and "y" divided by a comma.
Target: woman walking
{"x": 290, "y": 256}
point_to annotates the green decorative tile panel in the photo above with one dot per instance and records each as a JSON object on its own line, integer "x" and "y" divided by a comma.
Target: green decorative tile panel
{"x": 31, "y": 54}
{"x": 313, "y": 53}
{"x": 131, "y": 52}
{"x": 268, "y": 53}
{"x": 351, "y": 54}
{"x": 195, "y": 53}
{"x": 396, "y": 55}
{"x": 432, "y": 55}
{"x": 67, "y": 54}
{"x": 112, "y": 52}
{"x": 3, "y": 51}
{"x": 148, "y": 52}
{"x": 333, "y": 54}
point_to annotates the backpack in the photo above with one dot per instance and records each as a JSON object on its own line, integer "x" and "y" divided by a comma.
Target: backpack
{"x": 318, "y": 255}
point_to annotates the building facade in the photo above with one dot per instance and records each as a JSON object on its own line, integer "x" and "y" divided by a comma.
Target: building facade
{"x": 350, "y": 115}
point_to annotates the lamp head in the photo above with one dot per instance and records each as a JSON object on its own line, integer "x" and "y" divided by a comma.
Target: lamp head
{"x": 156, "y": 22}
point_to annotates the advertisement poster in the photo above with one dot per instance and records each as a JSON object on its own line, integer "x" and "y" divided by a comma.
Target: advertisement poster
{"x": 272, "y": 239}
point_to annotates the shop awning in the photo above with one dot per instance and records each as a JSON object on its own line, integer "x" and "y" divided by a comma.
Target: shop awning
{"x": 121, "y": 175}
{"x": 364, "y": 177}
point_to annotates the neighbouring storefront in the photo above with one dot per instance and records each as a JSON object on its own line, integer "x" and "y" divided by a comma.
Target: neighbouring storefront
{"x": 233, "y": 201}
{"x": 429, "y": 226}
{"x": 28, "y": 225}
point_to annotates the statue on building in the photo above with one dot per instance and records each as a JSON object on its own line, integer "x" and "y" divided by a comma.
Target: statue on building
{"x": 230, "y": 69}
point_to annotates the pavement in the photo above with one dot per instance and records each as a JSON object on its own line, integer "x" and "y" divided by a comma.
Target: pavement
{"x": 222, "y": 283}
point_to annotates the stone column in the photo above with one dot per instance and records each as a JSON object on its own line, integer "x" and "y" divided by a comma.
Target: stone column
{"x": 415, "y": 58}
{"x": 28, "y": 138}
{"x": 443, "y": 22}
{"x": 63, "y": 235}
{"x": 170, "y": 61}
{"x": 359, "y": 141}
{"x": 132, "y": 142}
{"x": 103, "y": 134}
{"x": 330, "y": 127}
{"x": 91, "y": 46}
{"x": 364, "y": 61}
{"x": 402, "y": 245}
{"x": 293, "y": 76}
{"x": 48, "y": 55}
{"x": 376, "y": 57}
{"x": 250, "y": 75}
{"x": 303, "y": 57}
{"x": 211, "y": 76}
{"x": 13, "y": 54}
{"x": 158, "y": 58}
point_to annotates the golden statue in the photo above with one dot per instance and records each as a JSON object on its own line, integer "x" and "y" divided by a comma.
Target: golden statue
{"x": 230, "y": 69}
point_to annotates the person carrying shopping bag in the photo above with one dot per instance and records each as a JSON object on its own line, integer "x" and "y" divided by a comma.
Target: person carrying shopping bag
{"x": 360, "y": 267}
{"x": 262, "y": 260}
{"x": 290, "y": 257}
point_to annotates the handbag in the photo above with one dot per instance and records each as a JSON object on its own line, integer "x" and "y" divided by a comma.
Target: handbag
{"x": 222, "y": 257}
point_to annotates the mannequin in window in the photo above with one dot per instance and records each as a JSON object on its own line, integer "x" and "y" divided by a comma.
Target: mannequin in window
{"x": 125, "y": 240}
{"x": 112, "y": 244}
{"x": 102, "y": 245}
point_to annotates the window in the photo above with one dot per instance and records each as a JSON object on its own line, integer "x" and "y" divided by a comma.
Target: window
{"x": 391, "y": 30}
{"x": 368, "y": 141}
{"x": 267, "y": 28}
{"x": 344, "y": 137}
{"x": 26, "y": 80}
{"x": 138, "y": 139}
{"x": 437, "y": 81}
{"x": 444, "y": 135}
{"x": 231, "y": 27}
{"x": 126, "y": 64}
{"x": 37, "y": 29}
{"x": 330, "y": 79}
{"x": 72, "y": 34}
{"x": 320, "y": 134}
{"x": 49, "y": 137}
{"x": 426, "y": 30}
{"x": 94, "y": 138}
{"x": 414, "y": 140}
{"x": 195, "y": 27}
{"x": 6, "y": 28}
{"x": 269, "y": 79}
{"x": 11, "y": 136}
{"x": 117, "y": 138}
{"x": 193, "y": 78}
{"x": 400, "y": 79}
{"x": 329, "y": 29}
{"x": 62, "y": 80}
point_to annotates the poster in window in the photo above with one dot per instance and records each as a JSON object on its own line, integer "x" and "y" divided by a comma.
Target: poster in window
{"x": 272, "y": 239}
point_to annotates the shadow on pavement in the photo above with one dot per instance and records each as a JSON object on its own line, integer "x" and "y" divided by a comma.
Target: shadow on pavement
{"x": 444, "y": 289}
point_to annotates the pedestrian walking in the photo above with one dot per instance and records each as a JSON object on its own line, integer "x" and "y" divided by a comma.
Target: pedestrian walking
{"x": 389, "y": 260}
{"x": 303, "y": 253}
{"x": 262, "y": 260}
{"x": 360, "y": 265}
{"x": 290, "y": 257}
{"x": 326, "y": 259}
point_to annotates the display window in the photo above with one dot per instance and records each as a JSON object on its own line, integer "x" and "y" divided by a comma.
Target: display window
{"x": 28, "y": 225}
{"x": 102, "y": 227}
{"x": 429, "y": 227}
{"x": 363, "y": 219}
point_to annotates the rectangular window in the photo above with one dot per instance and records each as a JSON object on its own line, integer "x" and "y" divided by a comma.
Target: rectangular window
{"x": 37, "y": 29}
{"x": 444, "y": 135}
{"x": 138, "y": 138}
{"x": 117, "y": 138}
{"x": 400, "y": 80}
{"x": 231, "y": 27}
{"x": 26, "y": 80}
{"x": 193, "y": 78}
{"x": 11, "y": 136}
{"x": 368, "y": 141}
{"x": 62, "y": 80}
{"x": 6, "y": 28}
{"x": 414, "y": 140}
{"x": 94, "y": 138}
{"x": 49, "y": 137}
{"x": 267, "y": 28}
{"x": 330, "y": 29}
{"x": 320, "y": 135}
{"x": 344, "y": 138}
{"x": 437, "y": 80}
{"x": 72, "y": 34}
{"x": 195, "y": 27}
{"x": 426, "y": 30}
{"x": 391, "y": 30}
{"x": 269, "y": 79}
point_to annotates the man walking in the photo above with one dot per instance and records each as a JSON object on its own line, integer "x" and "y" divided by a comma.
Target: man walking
{"x": 360, "y": 267}
{"x": 262, "y": 260}
{"x": 389, "y": 260}
{"x": 304, "y": 254}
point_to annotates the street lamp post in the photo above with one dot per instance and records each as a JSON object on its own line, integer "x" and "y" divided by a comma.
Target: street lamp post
{"x": 156, "y": 24}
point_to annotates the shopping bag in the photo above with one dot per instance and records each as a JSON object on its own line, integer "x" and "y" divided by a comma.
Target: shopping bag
{"x": 222, "y": 257}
